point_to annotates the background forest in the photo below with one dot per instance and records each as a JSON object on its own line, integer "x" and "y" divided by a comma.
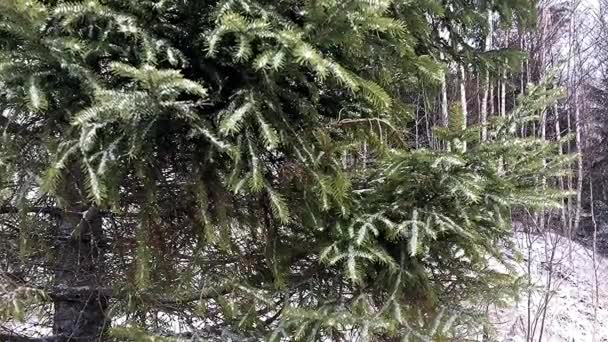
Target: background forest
{"x": 295, "y": 170}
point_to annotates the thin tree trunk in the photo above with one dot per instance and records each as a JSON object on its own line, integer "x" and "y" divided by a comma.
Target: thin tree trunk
{"x": 569, "y": 180}
{"x": 579, "y": 159}
{"x": 492, "y": 111}
{"x": 503, "y": 83}
{"x": 543, "y": 114}
{"x": 569, "y": 118}
{"x": 445, "y": 116}
{"x": 522, "y": 82}
{"x": 560, "y": 151}
{"x": 579, "y": 143}
{"x": 444, "y": 102}
{"x": 548, "y": 288}
{"x": 502, "y": 107}
{"x": 478, "y": 86}
{"x": 503, "y": 93}
{"x": 463, "y": 96}
{"x": 596, "y": 284}
{"x": 543, "y": 136}
{"x": 529, "y": 337}
{"x": 483, "y": 115}
{"x": 523, "y": 78}
{"x": 487, "y": 91}
{"x": 486, "y": 83}
{"x": 416, "y": 138}
{"x": 427, "y": 110}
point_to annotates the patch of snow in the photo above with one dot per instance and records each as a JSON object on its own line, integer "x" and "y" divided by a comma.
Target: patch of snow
{"x": 570, "y": 310}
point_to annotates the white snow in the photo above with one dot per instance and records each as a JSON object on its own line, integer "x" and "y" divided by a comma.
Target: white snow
{"x": 570, "y": 311}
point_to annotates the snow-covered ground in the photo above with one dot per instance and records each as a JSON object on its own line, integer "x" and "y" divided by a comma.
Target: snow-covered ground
{"x": 570, "y": 314}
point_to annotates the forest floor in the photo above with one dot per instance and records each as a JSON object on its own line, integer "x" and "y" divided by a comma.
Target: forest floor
{"x": 572, "y": 313}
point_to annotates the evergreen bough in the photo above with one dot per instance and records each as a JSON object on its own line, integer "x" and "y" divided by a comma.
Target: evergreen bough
{"x": 241, "y": 169}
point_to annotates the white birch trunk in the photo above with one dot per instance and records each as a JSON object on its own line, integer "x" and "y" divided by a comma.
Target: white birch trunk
{"x": 463, "y": 96}
{"x": 579, "y": 159}
{"x": 463, "y": 101}
{"x": 492, "y": 111}
{"x": 444, "y": 101}
{"x": 503, "y": 93}
{"x": 543, "y": 114}
{"x": 486, "y": 83}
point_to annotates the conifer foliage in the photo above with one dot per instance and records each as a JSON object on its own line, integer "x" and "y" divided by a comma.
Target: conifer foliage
{"x": 240, "y": 170}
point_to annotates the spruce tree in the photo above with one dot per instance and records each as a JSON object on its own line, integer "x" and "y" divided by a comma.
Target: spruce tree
{"x": 240, "y": 170}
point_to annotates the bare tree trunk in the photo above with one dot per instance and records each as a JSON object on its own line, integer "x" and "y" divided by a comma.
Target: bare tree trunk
{"x": 569, "y": 180}
{"x": 543, "y": 114}
{"x": 596, "y": 284}
{"x": 579, "y": 144}
{"x": 486, "y": 83}
{"x": 543, "y": 134}
{"x": 445, "y": 116}
{"x": 478, "y": 86}
{"x": 492, "y": 111}
{"x": 503, "y": 83}
{"x": 444, "y": 101}
{"x": 550, "y": 261}
{"x": 579, "y": 160}
{"x": 416, "y": 138}
{"x": 522, "y": 84}
{"x": 569, "y": 108}
{"x": 522, "y": 69}
{"x": 502, "y": 90}
{"x": 463, "y": 101}
{"x": 463, "y": 96}
{"x": 427, "y": 110}
{"x": 560, "y": 151}
{"x": 529, "y": 337}
{"x": 503, "y": 93}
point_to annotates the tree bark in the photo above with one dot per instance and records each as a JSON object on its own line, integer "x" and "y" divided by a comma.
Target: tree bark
{"x": 579, "y": 159}
{"x": 444, "y": 101}
{"x": 486, "y": 83}
{"x": 570, "y": 76}
{"x": 463, "y": 100}
{"x": 463, "y": 96}
{"x": 503, "y": 85}
{"x": 578, "y": 131}
{"x": 445, "y": 119}
{"x": 78, "y": 315}
{"x": 523, "y": 78}
{"x": 503, "y": 95}
{"x": 560, "y": 151}
{"x": 543, "y": 114}
{"x": 492, "y": 111}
